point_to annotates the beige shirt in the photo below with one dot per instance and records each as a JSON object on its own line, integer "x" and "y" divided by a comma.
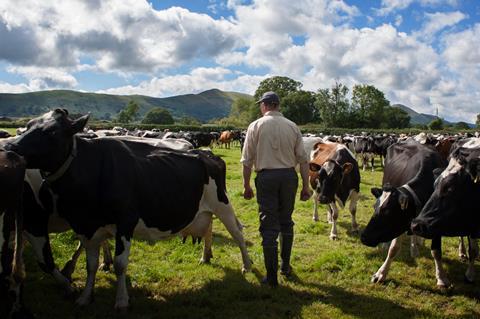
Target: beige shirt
{"x": 273, "y": 141}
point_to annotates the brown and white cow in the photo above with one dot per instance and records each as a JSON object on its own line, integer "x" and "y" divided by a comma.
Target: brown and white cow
{"x": 226, "y": 138}
{"x": 335, "y": 178}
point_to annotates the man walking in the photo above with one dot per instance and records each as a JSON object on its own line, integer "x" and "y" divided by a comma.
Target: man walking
{"x": 273, "y": 147}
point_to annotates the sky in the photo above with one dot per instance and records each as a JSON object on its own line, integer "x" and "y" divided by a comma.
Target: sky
{"x": 421, "y": 53}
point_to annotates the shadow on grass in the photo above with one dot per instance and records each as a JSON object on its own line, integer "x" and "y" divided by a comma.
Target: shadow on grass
{"x": 230, "y": 297}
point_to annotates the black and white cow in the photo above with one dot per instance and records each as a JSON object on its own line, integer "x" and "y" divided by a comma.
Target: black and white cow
{"x": 407, "y": 184}
{"x": 12, "y": 273}
{"x": 335, "y": 178}
{"x": 114, "y": 188}
{"x": 453, "y": 208}
{"x": 365, "y": 146}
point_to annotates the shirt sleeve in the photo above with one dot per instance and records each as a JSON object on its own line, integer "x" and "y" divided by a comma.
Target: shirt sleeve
{"x": 300, "y": 153}
{"x": 249, "y": 149}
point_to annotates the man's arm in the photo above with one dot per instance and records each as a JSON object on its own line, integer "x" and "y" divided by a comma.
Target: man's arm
{"x": 247, "y": 189}
{"x": 306, "y": 192}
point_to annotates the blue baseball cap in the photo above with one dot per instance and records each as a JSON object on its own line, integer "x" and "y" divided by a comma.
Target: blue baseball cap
{"x": 269, "y": 97}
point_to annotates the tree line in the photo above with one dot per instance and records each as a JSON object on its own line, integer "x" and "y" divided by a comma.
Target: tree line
{"x": 365, "y": 107}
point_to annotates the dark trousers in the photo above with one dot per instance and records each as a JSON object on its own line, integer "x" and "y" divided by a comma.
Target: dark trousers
{"x": 276, "y": 191}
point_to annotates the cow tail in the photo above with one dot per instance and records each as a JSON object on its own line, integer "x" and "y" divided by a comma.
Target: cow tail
{"x": 18, "y": 267}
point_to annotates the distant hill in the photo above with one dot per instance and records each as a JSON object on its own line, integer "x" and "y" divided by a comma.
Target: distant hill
{"x": 203, "y": 106}
{"x": 421, "y": 118}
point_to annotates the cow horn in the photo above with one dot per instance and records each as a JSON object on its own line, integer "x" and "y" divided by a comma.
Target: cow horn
{"x": 476, "y": 180}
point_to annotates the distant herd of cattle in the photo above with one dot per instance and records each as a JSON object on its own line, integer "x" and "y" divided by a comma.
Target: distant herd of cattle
{"x": 56, "y": 175}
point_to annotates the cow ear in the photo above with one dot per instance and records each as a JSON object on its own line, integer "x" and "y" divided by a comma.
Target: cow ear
{"x": 377, "y": 192}
{"x": 314, "y": 167}
{"x": 403, "y": 201}
{"x": 79, "y": 124}
{"x": 347, "y": 168}
{"x": 473, "y": 168}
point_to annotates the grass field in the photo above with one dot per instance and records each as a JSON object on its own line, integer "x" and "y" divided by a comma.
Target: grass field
{"x": 332, "y": 278}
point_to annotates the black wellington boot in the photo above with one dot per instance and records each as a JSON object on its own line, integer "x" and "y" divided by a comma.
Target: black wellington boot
{"x": 270, "y": 256}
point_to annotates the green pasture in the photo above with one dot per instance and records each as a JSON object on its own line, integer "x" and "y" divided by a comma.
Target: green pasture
{"x": 332, "y": 278}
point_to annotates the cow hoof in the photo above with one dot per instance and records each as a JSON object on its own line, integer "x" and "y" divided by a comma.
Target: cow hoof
{"x": 83, "y": 301}
{"x": 468, "y": 280}
{"x": 463, "y": 258}
{"x": 333, "y": 237}
{"x": 378, "y": 278}
{"x": 444, "y": 286}
{"x": 205, "y": 261}
{"x": 315, "y": 219}
{"x": 121, "y": 309}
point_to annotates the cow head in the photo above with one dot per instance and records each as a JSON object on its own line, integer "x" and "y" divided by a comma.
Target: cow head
{"x": 452, "y": 209}
{"x": 326, "y": 179}
{"x": 391, "y": 217}
{"x": 47, "y": 141}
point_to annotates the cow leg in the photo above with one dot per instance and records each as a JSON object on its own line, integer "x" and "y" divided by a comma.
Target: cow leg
{"x": 227, "y": 216}
{"x": 92, "y": 249}
{"x": 334, "y": 210}
{"x": 315, "y": 206}
{"x": 353, "y": 209}
{"x": 122, "y": 251}
{"x": 364, "y": 161}
{"x": 107, "y": 257}
{"x": 69, "y": 267}
{"x": 207, "y": 245}
{"x": 372, "y": 161}
{"x": 43, "y": 252}
{"x": 462, "y": 251}
{"x": 382, "y": 272}
{"x": 436, "y": 250}
{"x": 472, "y": 255}
{"x": 329, "y": 214}
{"x": 414, "y": 246}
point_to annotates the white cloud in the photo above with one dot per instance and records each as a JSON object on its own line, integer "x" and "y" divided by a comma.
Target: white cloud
{"x": 438, "y": 21}
{"x": 127, "y": 35}
{"x": 45, "y": 78}
{"x": 389, "y": 6}
{"x": 311, "y": 41}
{"x": 197, "y": 81}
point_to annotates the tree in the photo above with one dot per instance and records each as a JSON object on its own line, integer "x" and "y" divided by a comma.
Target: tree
{"x": 129, "y": 113}
{"x": 369, "y": 105}
{"x": 478, "y": 121}
{"x": 158, "y": 115}
{"x": 461, "y": 126}
{"x": 243, "y": 111}
{"x": 188, "y": 120}
{"x": 281, "y": 85}
{"x": 396, "y": 118}
{"x": 436, "y": 124}
{"x": 333, "y": 106}
{"x": 299, "y": 107}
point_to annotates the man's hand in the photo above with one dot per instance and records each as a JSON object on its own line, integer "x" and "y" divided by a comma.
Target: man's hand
{"x": 248, "y": 192}
{"x": 305, "y": 194}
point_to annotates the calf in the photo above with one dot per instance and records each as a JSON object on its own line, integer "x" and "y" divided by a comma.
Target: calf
{"x": 408, "y": 183}
{"x": 453, "y": 208}
{"x": 121, "y": 188}
{"x": 335, "y": 178}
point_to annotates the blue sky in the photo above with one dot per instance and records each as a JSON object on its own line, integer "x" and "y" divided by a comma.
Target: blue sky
{"x": 421, "y": 53}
